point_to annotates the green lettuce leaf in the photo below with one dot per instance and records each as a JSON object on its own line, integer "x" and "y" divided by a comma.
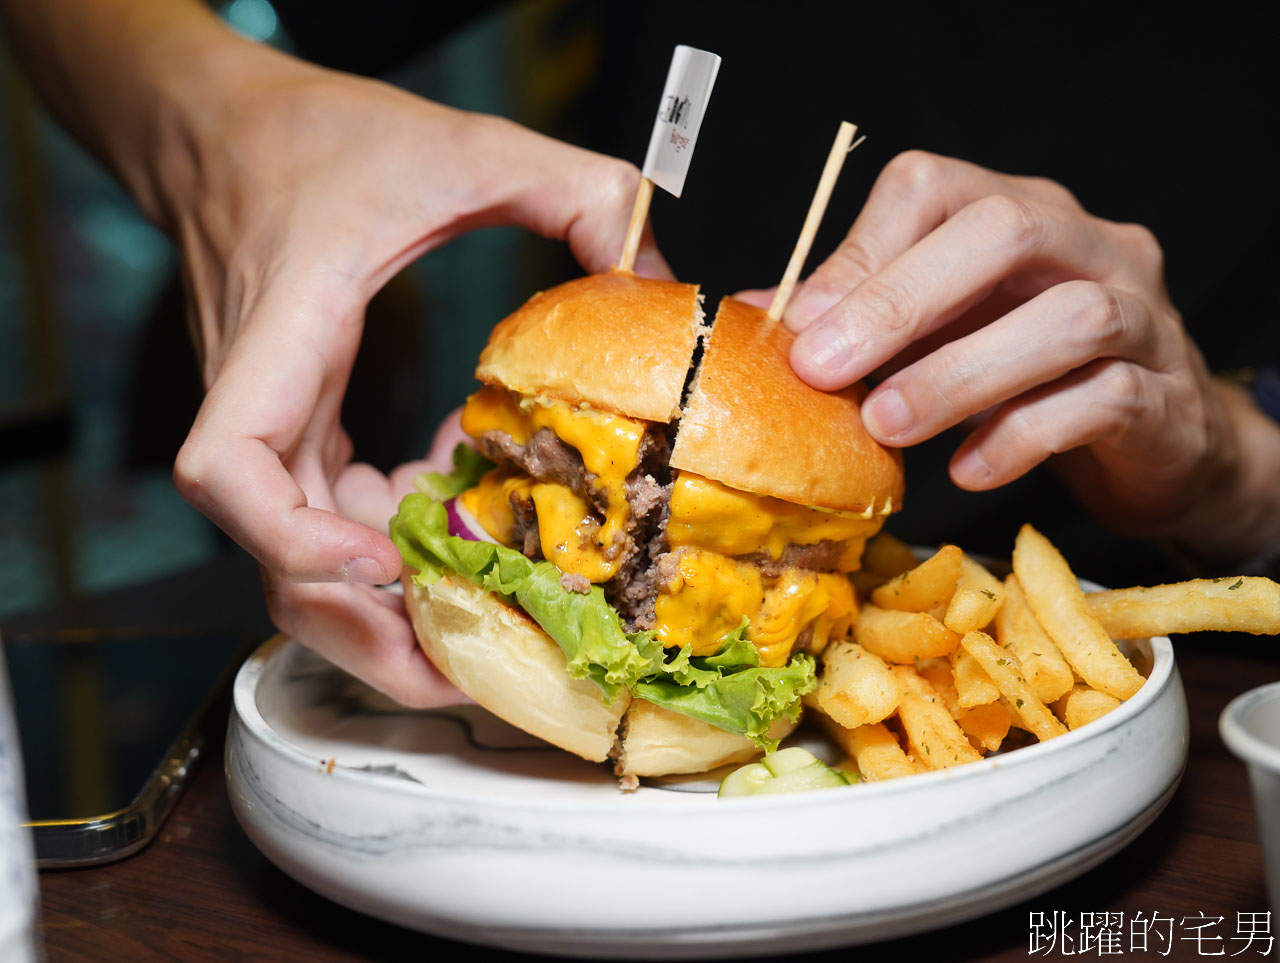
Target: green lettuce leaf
{"x": 745, "y": 700}
{"x": 584, "y": 625}
{"x": 729, "y": 690}
{"x": 468, "y": 466}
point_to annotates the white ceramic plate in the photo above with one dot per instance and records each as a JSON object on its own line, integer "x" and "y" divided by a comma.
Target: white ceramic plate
{"x": 453, "y": 823}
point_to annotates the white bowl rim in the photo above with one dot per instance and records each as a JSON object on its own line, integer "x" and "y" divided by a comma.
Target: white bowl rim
{"x": 1163, "y": 669}
{"x": 1243, "y": 743}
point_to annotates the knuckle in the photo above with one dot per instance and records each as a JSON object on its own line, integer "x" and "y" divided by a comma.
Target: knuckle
{"x": 956, "y": 379}
{"x": 1123, "y": 385}
{"x": 890, "y": 305}
{"x": 1022, "y": 435}
{"x": 1142, "y": 247}
{"x": 913, "y": 172}
{"x": 1099, "y": 316}
{"x": 1051, "y": 191}
{"x": 190, "y": 473}
{"x": 615, "y": 183}
{"x": 852, "y": 261}
{"x": 1010, "y": 221}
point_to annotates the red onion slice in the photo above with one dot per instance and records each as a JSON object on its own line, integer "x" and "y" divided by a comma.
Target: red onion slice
{"x": 463, "y": 524}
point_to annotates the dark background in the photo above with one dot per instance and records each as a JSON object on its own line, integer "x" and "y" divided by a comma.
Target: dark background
{"x": 1148, "y": 114}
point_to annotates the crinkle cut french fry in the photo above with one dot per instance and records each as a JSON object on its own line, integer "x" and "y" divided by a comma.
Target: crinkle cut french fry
{"x": 874, "y": 749}
{"x": 970, "y": 609}
{"x": 928, "y": 585}
{"x": 856, "y": 687}
{"x": 1244, "y": 604}
{"x": 902, "y": 637}
{"x": 934, "y": 735}
{"x": 1082, "y": 705}
{"x": 977, "y": 598}
{"x": 973, "y": 686}
{"x": 937, "y": 672}
{"x": 1043, "y": 665}
{"x": 1002, "y": 667}
{"x": 1059, "y": 605}
{"x": 986, "y": 725}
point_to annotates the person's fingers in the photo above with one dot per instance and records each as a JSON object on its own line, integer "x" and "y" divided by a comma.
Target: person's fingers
{"x": 560, "y": 191}
{"x": 1064, "y": 328}
{"x": 362, "y": 630}
{"x": 760, "y": 297}
{"x": 448, "y": 436}
{"x": 649, "y": 260}
{"x": 953, "y": 268}
{"x": 589, "y": 205}
{"x": 1104, "y": 398}
{"x": 364, "y": 494}
{"x": 258, "y": 457}
{"x": 241, "y": 485}
{"x": 915, "y": 193}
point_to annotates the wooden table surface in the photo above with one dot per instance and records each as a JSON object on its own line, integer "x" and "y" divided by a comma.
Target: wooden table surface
{"x": 201, "y": 891}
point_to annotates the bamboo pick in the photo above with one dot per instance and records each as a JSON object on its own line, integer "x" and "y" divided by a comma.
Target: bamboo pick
{"x": 635, "y": 228}
{"x": 844, "y": 143}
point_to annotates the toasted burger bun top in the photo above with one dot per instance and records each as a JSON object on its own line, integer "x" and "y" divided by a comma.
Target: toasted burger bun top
{"x": 572, "y": 342}
{"x": 751, "y": 423}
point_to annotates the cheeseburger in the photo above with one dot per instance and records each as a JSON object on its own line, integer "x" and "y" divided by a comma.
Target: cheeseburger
{"x": 641, "y": 559}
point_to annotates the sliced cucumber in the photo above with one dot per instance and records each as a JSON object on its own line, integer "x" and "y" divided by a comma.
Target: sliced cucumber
{"x": 816, "y": 775}
{"x": 745, "y": 781}
{"x": 788, "y": 770}
{"x": 788, "y": 760}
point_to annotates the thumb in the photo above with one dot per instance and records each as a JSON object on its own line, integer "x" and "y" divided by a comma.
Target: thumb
{"x": 579, "y": 196}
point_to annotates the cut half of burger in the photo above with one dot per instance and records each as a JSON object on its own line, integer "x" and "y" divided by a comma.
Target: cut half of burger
{"x": 628, "y": 574}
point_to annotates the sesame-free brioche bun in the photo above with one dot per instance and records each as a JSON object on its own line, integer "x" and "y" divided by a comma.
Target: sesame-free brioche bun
{"x": 499, "y": 657}
{"x": 754, "y": 425}
{"x": 613, "y": 341}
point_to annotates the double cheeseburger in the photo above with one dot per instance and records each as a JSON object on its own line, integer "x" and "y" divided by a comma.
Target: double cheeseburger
{"x": 637, "y": 562}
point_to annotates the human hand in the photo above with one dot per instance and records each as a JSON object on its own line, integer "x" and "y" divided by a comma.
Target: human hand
{"x": 999, "y": 303}
{"x": 291, "y": 211}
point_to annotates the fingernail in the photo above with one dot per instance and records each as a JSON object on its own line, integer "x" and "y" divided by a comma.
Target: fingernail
{"x": 826, "y": 346}
{"x": 887, "y": 414}
{"x": 364, "y": 570}
{"x": 970, "y": 470}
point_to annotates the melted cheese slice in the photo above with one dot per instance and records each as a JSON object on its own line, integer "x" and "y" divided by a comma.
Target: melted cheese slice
{"x": 711, "y": 593}
{"x": 572, "y": 537}
{"x": 706, "y": 514}
{"x": 489, "y": 502}
{"x": 712, "y": 522}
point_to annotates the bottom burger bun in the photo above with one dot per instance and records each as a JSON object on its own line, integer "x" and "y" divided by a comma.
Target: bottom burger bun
{"x": 505, "y": 663}
{"x": 654, "y": 741}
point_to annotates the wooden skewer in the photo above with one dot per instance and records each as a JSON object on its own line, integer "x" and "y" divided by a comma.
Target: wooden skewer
{"x": 844, "y": 143}
{"x": 639, "y": 214}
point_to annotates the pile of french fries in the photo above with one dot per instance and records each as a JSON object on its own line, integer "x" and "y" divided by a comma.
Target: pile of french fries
{"x": 949, "y": 663}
